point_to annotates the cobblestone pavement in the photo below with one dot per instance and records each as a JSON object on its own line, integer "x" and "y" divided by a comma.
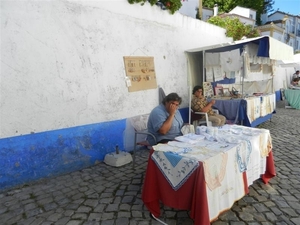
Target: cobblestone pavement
{"x": 112, "y": 196}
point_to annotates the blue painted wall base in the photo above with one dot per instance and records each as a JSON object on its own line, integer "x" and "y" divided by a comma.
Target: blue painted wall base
{"x": 32, "y": 157}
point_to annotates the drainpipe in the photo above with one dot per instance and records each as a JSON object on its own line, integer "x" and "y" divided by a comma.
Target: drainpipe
{"x": 200, "y": 9}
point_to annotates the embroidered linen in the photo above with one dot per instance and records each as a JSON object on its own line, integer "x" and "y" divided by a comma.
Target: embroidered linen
{"x": 214, "y": 170}
{"x": 259, "y": 138}
{"x": 267, "y": 105}
{"x": 248, "y": 147}
{"x": 231, "y": 189}
{"x": 209, "y": 74}
{"x": 229, "y": 60}
{"x": 169, "y": 148}
{"x": 186, "y": 140}
{"x": 212, "y": 59}
{"x": 190, "y": 138}
{"x": 272, "y": 102}
{"x": 265, "y": 142}
{"x": 175, "y": 168}
{"x": 253, "y": 108}
{"x": 218, "y": 73}
{"x": 188, "y": 128}
{"x": 261, "y": 145}
{"x": 244, "y": 150}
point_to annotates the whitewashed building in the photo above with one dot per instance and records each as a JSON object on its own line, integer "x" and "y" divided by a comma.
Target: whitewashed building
{"x": 64, "y": 96}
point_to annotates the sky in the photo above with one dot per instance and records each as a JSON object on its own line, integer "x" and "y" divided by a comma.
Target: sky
{"x": 288, "y": 6}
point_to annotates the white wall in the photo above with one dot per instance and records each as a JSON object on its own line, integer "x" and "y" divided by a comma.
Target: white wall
{"x": 62, "y": 61}
{"x": 245, "y": 12}
{"x": 247, "y": 21}
{"x": 284, "y": 71}
{"x": 282, "y": 76}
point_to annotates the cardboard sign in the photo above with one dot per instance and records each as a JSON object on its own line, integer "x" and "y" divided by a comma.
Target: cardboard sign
{"x": 141, "y": 73}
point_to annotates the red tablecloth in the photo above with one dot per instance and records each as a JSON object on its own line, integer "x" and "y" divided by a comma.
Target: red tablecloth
{"x": 191, "y": 196}
{"x": 270, "y": 169}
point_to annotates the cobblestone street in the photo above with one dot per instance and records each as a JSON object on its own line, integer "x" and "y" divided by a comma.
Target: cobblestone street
{"x": 112, "y": 196}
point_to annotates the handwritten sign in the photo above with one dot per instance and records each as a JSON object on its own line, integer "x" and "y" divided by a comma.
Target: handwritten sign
{"x": 141, "y": 72}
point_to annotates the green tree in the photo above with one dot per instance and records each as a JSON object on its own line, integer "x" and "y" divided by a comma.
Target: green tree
{"x": 261, "y": 6}
{"x": 234, "y": 28}
{"x": 171, "y": 5}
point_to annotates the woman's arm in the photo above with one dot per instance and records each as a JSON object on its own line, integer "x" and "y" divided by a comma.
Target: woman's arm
{"x": 169, "y": 121}
{"x": 166, "y": 125}
{"x": 208, "y": 106}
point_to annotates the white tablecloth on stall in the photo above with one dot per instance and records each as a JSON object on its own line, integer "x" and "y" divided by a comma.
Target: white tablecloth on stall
{"x": 226, "y": 153}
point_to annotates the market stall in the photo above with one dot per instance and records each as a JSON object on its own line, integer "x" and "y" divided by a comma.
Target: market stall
{"x": 293, "y": 97}
{"x": 206, "y": 175}
{"x": 243, "y": 69}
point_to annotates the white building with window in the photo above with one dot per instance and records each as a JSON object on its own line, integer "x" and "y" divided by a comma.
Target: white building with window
{"x": 279, "y": 25}
{"x": 284, "y": 27}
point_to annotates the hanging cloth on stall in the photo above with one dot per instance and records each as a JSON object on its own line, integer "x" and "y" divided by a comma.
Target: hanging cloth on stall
{"x": 231, "y": 60}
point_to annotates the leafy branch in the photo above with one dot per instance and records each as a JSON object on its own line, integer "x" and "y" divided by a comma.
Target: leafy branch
{"x": 234, "y": 27}
{"x": 171, "y": 5}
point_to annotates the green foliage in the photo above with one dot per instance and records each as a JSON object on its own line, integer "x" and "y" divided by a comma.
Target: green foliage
{"x": 152, "y": 2}
{"x": 171, "y": 5}
{"x": 234, "y": 28}
{"x": 225, "y": 6}
{"x": 251, "y": 32}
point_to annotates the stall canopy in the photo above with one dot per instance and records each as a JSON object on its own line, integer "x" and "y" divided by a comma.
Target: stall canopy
{"x": 291, "y": 63}
{"x": 267, "y": 47}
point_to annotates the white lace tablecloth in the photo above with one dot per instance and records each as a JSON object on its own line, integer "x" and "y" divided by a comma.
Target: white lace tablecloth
{"x": 226, "y": 155}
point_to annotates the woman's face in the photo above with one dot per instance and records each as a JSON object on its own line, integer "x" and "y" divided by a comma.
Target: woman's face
{"x": 198, "y": 93}
{"x": 172, "y": 106}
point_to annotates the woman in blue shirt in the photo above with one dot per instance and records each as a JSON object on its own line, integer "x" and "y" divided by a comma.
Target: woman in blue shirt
{"x": 165, "y": 121}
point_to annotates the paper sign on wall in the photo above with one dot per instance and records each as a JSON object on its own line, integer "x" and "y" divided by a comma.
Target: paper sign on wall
{"x": 141, "y": 72}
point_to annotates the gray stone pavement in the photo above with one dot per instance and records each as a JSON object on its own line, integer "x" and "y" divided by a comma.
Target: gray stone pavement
{"x": 112, "y": 196}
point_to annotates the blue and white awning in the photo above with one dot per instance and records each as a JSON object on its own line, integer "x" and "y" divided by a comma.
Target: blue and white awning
{"x": 267, "y": 47}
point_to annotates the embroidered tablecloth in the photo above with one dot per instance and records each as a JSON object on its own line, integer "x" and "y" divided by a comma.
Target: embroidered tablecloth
{"x": 208, "y": 173}
{"x": 175, "y": 168}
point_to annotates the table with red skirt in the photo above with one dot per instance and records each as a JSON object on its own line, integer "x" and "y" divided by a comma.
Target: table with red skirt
{"x": 204, "y": 201}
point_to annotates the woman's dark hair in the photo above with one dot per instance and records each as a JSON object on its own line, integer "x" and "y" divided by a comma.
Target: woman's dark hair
{"x": 196, "y": 88}
{"x": 172, "y": 97}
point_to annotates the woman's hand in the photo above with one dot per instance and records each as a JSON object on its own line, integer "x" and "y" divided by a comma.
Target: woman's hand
{"x": 172, "y": 109}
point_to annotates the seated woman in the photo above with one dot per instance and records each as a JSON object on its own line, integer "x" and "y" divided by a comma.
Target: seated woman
{"x": 165, "y": 121}
{"x": 294, "y": 83}
{"x": 199, "y": 104}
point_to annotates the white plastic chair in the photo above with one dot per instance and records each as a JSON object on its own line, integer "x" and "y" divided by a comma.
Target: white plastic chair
{"x": 139, "y": 123}
{"x": 203, "y": 121}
